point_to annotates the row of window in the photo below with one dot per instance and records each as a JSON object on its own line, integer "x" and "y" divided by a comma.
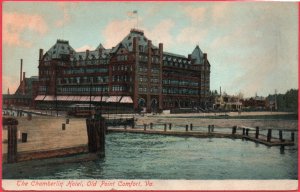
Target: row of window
{"x": 90, "y": 62}
{"x": 83, "y": 70}
{"x": 82, "y": 89}
{"x": 79, "y": 80}
{"x": 121, "y": 78}
{"x": 176, "y": 64}
{"x": 154, "y": 59}
{"x": 122, "y": 68}
{"x": 180, "y": 82}
{"x": 122, "y": 58}
{"x": 119, "y": 88}
{"x": 180, "y": 91}
{"x": 152, "y": 89}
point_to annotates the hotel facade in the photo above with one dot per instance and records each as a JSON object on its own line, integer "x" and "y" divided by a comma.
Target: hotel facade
{"x": 134, "y": 74}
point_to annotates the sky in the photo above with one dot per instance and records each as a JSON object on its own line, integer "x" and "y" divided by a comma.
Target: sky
{"x": 252, "y": 46}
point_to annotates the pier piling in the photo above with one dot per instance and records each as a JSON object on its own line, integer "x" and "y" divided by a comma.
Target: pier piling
{"x": 12, "y": 144}
{"x": 208, "y": 128}
{"x": 96, "y": 135}
{"x": 165, "y": 127}
{"x": 244, "y": 131}
{"x": 234, "y": 130}
{"x": 67, "y": 121}
{"x": 247, "y": 132}
{"x": 191, "y": 127}
{"x": 170, "y": 126}
{"x": 293, "y": 136}
{"x": 63, "y": 126}
{"x": 145, "y": 126}
{"x": 151, "y": 125}
{"x": 24, "y": 137}
{"x": 269, "y": 135}
{"x": 186, "y": 127}
{"x": 256, "y": 132}
{"x": 280, "y": 135}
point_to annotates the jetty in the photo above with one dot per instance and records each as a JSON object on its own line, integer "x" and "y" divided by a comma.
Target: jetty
{"x": 35, "y": 138}
{"x": 236, "y": 132}
{"x": 31, "y": 137}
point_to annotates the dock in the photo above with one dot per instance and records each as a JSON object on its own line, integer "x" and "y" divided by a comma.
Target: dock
{"x": 42, "y": 137}
{"x": 237, "y": 132}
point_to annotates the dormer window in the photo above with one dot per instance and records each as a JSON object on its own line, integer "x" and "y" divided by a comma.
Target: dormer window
{"x": 129, "y": 38}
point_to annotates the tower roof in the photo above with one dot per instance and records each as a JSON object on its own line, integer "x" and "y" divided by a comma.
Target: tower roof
{"x": 127, "y": 42}
{"x": 197, "y": 55}
{"x": 60, "y": 48}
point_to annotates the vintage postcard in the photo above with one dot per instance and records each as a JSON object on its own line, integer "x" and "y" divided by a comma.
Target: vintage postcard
{"x": 149, "y": 96}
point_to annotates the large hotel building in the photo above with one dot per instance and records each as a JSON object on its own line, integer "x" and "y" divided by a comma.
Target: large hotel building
{"x": 134, "y": 74}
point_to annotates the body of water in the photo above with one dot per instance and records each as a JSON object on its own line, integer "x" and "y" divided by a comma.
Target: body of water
{"x": 142, "y": 156}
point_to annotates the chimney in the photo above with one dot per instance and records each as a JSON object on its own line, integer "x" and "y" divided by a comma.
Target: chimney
{"x": 87, "y": 54}
{"x": 100, "y": 52}
{"x": 24, "y": 83}
{"x": 149, "y": 45}
{"x": 41, "y": 54}
{"x": 8, "y": 92}
{"x": 205, "y": 56}
{"x": 135, "y": 45}
{"x": 161, "y": 47}
{"x": 21, "y": 70}
{"x": 189, "y": 57}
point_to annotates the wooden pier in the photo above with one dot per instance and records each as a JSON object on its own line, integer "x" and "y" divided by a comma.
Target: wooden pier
{"x": 238, "y": 132}
{"x": 49, "y": 137}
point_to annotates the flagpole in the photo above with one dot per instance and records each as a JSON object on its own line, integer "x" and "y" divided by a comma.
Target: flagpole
{"x": 137, "y": 20}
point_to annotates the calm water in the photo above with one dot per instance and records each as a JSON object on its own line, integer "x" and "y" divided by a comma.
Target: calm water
{"x": 138, "y": 156}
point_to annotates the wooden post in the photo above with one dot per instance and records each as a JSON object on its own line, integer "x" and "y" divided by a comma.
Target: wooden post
{"x": 244, "y": 131}
{"x": 280, "y": 135}
{"x": 125, "y": 127}
{"x": 186, "y": 127}
{"x": 233, "y": 130}
{"x": 269, "y": 135}
{"x": 165, "y": 127}
{"x": 191, "y": 127}
{"x": 293, "y": 136}
{"x": 208, "y": 128}
{"x": 212, "y": 128}
{"x": 12, "y": 144}
{"x": 247, "y": 132}
{"x": 281, "y": 149}
{"x": 63, "y": 126}
{"x": 24, "y": 137}
{"x": 145, "y": 126}
{"x": 256, "y": 132}
{"x": 151, "y": 125}
{"x": 170, "y": 126}
{"x": 96, "y": 129}
{"x": 133, "y": 123}
{"x": 29, "y": 116}
{"x": 67, "y": 121}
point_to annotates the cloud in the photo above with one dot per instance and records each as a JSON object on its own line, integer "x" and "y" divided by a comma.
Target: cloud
{"x": 161, "y": 33}
{"x": 84, "y": 48}
{"x": 65, "y": 8}
{"x": 197, "y": 14}
{"x": 15, "y": 24}
{"x": 9, "y": 82}
{"x": 191, "y": 35}
{"x": 219, "y": 13}
{"x": 116, "y": 30}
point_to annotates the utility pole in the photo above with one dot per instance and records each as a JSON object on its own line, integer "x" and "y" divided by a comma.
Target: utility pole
{"x": 275, "y": 102}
